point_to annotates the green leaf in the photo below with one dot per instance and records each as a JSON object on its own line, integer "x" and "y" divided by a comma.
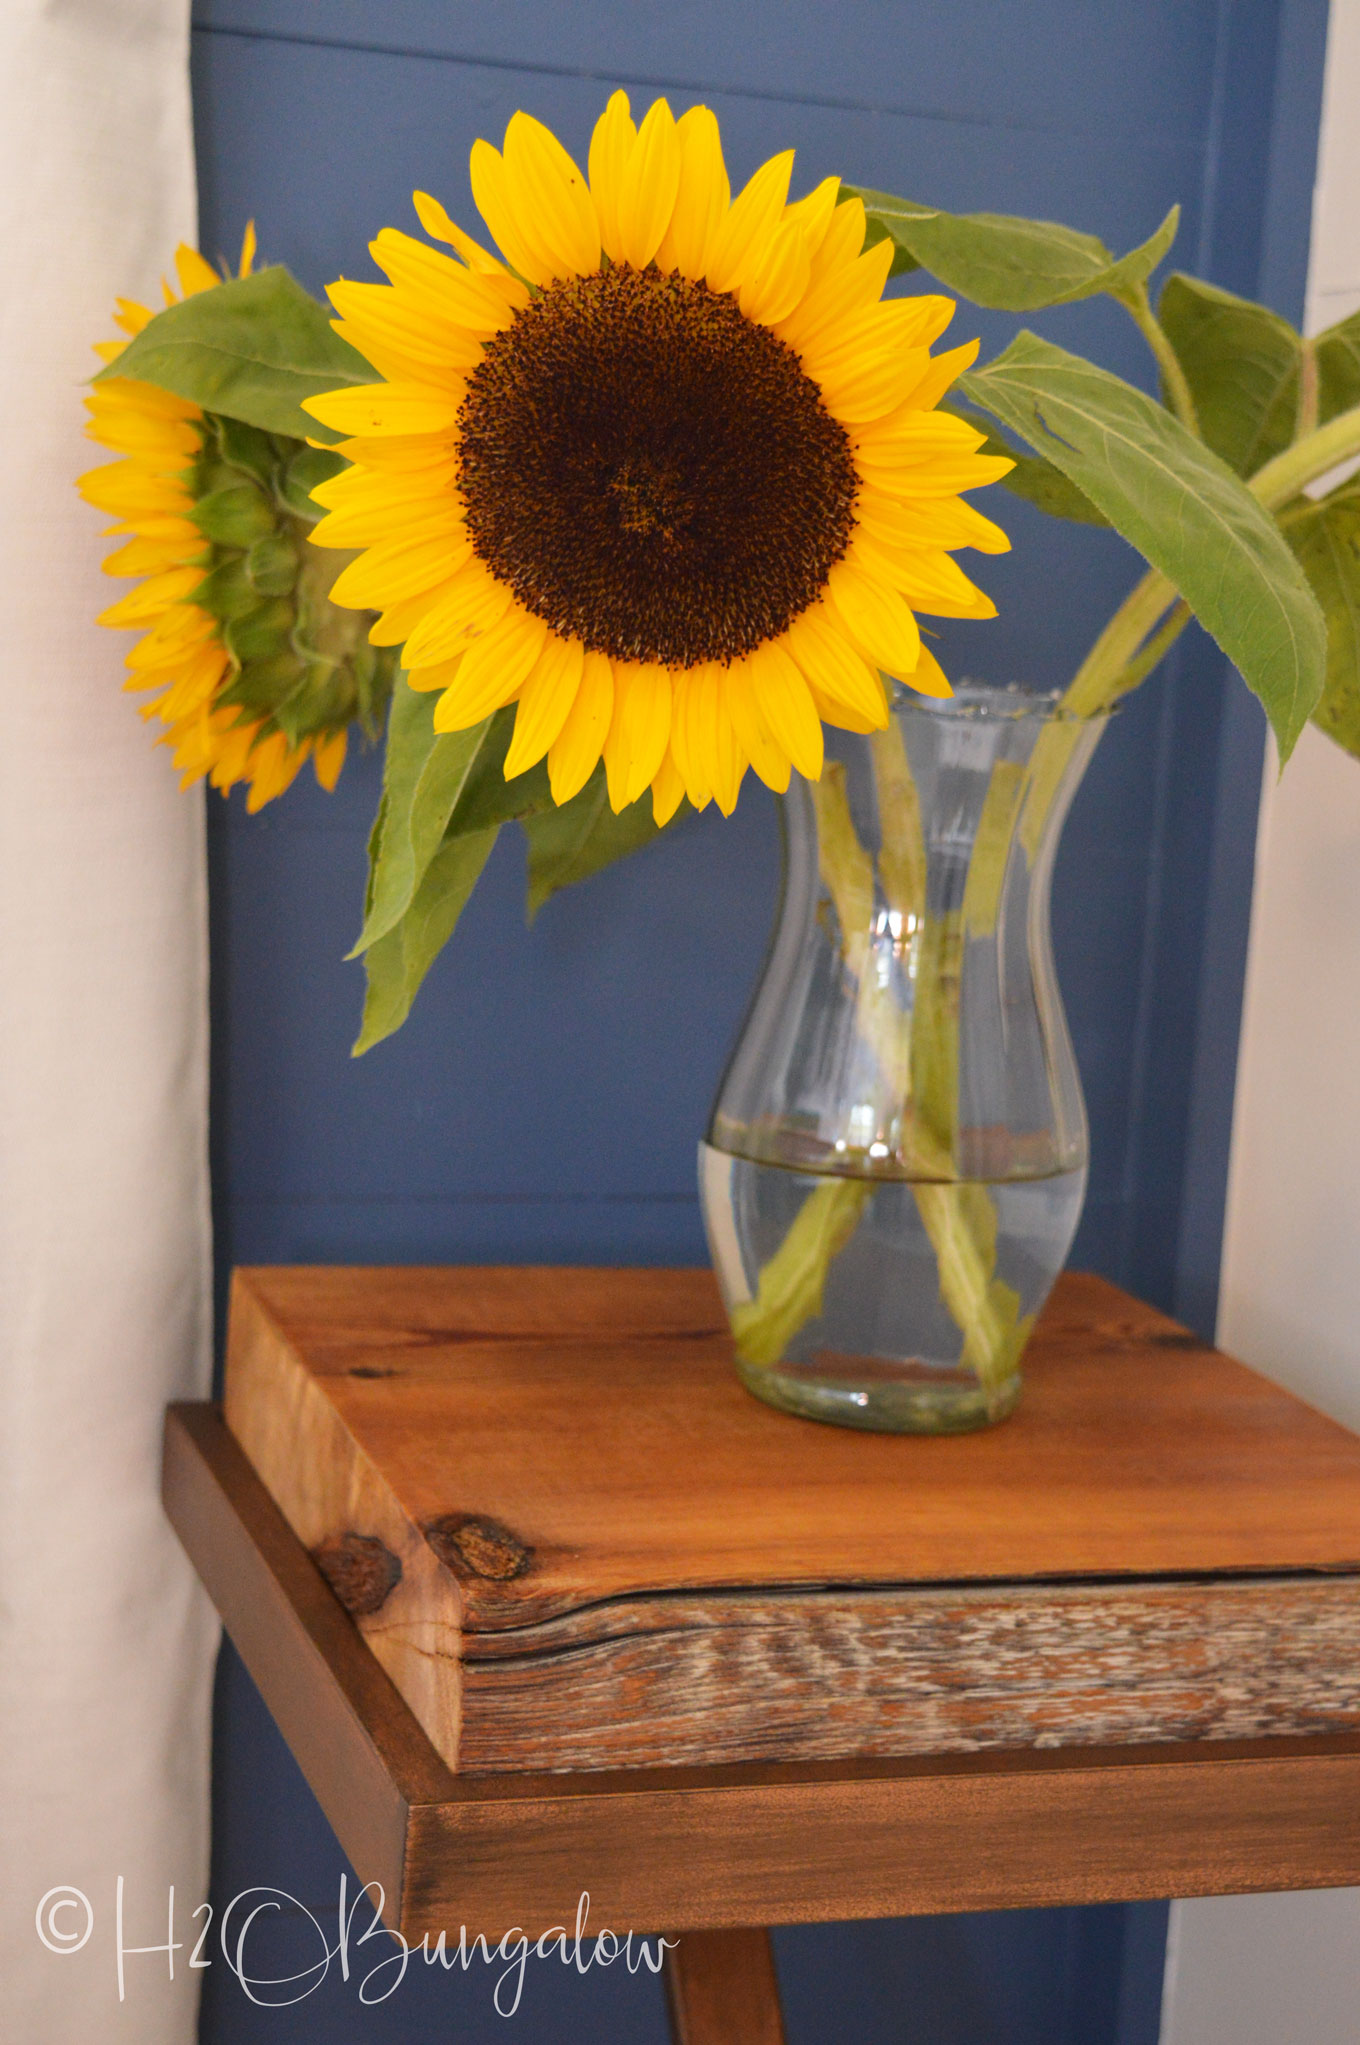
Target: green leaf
{"x": 1180, "y": 506}
{"x": 1241, "y": 362}
{"x": 1338, "y": 361}
{"x": 583, "y": 836}
{"x": 437, "y": 785}
{"x": 1326, "y": 541}
{"x": 399, "y": 960}
{"x": 1032, "y": 478}
{"x": 252, "y": 349}
{"x": 1009, "y": 264}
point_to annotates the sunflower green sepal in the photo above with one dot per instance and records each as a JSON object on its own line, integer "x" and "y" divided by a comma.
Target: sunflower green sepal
{"x": 300, "y": 664}
{"x": 251, "y": 349}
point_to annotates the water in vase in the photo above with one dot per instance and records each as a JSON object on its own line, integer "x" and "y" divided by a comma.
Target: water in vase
{"x": 875, "y": 1344}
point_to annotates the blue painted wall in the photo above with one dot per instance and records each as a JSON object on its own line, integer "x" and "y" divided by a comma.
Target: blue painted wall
{"x": 545, "y": 1099}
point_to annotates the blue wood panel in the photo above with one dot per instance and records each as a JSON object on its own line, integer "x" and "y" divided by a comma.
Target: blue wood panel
{"x": 1137, "y": 67}
{"x": 544, "y": 1101}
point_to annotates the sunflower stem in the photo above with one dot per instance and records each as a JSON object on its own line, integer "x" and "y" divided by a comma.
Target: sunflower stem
{"x": 1139, "y": 307}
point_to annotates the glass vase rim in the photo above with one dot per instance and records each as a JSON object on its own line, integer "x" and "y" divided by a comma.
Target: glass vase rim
{"x": 1004, "y": 702}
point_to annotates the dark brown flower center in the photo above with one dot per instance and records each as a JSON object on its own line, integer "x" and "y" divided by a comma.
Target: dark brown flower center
{"x": 652, "y": 472}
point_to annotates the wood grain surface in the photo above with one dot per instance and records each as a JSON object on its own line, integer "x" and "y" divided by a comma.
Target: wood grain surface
{"x": 574, "y": 1542}
{"x": 721, "y": 1990}
{"x": 692, "y": 1848}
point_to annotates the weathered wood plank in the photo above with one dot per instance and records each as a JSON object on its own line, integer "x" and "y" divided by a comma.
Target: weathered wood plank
{"x": 813, "y": 1676}
{"x": 590, "y": 1548}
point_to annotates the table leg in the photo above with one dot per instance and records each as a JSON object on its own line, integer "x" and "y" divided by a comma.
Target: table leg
{"x": 722, "y": 1990}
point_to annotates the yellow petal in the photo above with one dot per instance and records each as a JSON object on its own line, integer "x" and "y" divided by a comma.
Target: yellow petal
{"x": 523, "y": 249}
{"x": 866, "y": 390}
{"x": 926, "y": 576}
{"x": 786, "y": 708}
{"x": 397, "y": 454}
{"x": 358, "y": 489}
{"x": 274, "y": 766}
{"x": 832, "y": 711}
{"x": 397, "y": 569}
{"x": 743, "y": 237}
{"x": 545, "y": 187}
{"x": 768, "y": 758}
{"x": 938, "y": 522}
{"x": 193, "y": 273}
{"x": 611, "y": 146}
{"x": 150, "y": 598}
{"x": 834, "y": 668}
{"x": 131, "y": 316}
{"x": 668, "y": 792}
{"x": 492, "y": 671}
{"x": 415, "y": 519}
{"x": 843, "y": 240}
{"x": 842, "y": 291}
{"x": 544, "y": 702}
{"x": 403, "y": 320}
{"x": 780, "y": 281}
{"x": 931, "y": 474}
{"x": 440, "y": 225}
{"x": 927, "y": 677}
{"x": 473, "y": 603}
{"x": 639, "y": 731}
{"x": 650, "y": 183}
{"x": 329, "y": 758}
{"x": 377, "y": 409}
{"x": 393, "y": 363}
{"x": 694, "y": 704}
{"x": 813, "y": 213}
{"x": 730, "y": 761}
{"x": 878, "y": 619}
{"x": 575, "y": 753}
{"x": 702, "y": 198}
{"x": 399, "y": 621}
{"x": 127, "y": 492}
{"x": 151, "y": 556}
{"x": 944, "y": 370}
{"x": 435, "y": 284}
{"x": 886, "y": 328}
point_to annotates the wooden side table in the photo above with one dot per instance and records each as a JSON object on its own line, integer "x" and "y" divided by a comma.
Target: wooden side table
{"x": 543, "y": 1602}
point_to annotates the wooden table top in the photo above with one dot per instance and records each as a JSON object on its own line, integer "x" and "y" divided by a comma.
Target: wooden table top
{"x": 573, "y": 1541}
{"x": 594, "y": 1416}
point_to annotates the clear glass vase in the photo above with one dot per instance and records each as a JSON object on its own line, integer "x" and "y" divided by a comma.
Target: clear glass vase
{"x": 896, "y": 1160}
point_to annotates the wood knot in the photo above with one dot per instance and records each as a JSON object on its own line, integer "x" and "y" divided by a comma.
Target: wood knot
{"x": 470, "y": 1545}
{"x": 361, "y": 1570}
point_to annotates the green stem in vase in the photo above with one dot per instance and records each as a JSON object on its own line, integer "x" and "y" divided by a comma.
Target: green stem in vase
{"x": 918, "y": 1056}
{"x": 793, "y": 1283}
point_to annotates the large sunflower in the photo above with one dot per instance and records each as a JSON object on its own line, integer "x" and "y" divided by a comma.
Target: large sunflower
{"x": 670, "y": 477}
{"x": 249, "y": 674}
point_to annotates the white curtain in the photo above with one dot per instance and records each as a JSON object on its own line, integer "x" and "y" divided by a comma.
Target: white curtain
{"x": 105, "y": 1641}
